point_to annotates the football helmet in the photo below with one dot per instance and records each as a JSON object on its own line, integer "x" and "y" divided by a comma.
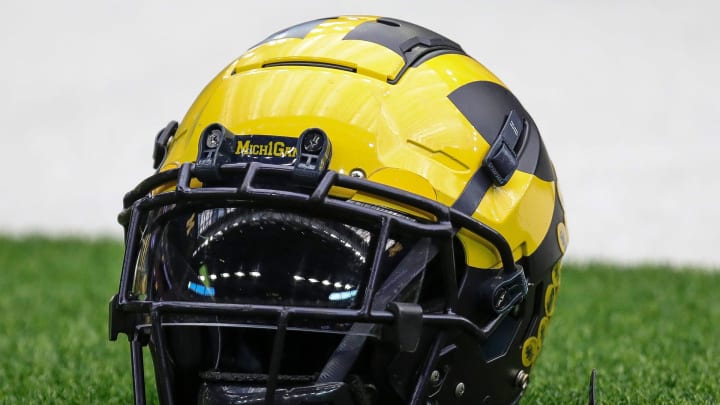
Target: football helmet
{"x": 352, "y": 212}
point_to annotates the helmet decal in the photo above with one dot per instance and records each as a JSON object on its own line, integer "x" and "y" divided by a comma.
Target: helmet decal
{"x": 562, "y": 235}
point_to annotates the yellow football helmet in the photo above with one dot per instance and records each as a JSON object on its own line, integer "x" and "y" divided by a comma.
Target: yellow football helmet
{"x": 354, "y": 211}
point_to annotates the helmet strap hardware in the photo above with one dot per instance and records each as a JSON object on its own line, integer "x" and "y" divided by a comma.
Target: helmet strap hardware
{"x": 217, "y": 147}
{"x": 314, "y": 153}
{"x": 406, "y": 329}
{"x": 501, "y": 160}
{"x": 506, "y": 290}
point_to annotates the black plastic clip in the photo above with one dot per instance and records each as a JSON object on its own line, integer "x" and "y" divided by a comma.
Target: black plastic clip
{"x": 501, "y": 160}
{"x": 314, "y": 154}
{"x": 120, "y": 321}
{"x": 506, "y": 290}
{"x": 406, "y": 330}
{"x": 161, "y": 142}
{"x": 217, "y": 147}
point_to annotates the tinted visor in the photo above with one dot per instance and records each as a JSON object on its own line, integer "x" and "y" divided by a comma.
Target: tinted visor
{"x": 241, "y": 255}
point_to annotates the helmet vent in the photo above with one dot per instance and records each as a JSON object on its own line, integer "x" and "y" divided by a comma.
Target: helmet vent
{"x": 311, "y": 64}
{"x": 388, "y": 22}
{"x": 409, "y": 41}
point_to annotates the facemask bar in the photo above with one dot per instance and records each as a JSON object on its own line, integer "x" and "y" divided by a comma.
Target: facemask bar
{"x": 126, "y": 315}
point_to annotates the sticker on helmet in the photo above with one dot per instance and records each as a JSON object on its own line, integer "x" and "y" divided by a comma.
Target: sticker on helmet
{"x": 550, "y": 299}
{"x": 530, "y": 350}
{"x": 556, "y": 273}
{"x": 562, "y": 236}
{"x": 533, "y": 344}
{"x": 265, "y": 149}
{"x": 190, "y": 224}
{"x": 541, "y": 329}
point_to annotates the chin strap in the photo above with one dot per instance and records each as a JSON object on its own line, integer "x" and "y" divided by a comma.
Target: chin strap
{"x": 347, "y": 352}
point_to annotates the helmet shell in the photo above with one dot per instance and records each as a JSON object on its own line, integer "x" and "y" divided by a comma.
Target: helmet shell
{"x": 404, "y": 107}
{"x": 401, "y": 104}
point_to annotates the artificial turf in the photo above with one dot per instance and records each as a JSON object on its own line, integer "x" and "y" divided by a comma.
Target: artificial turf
{"x": 651, "y": 332}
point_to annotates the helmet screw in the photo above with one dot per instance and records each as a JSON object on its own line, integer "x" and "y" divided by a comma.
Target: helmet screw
{"x": 522, "y": 379}
{"x": 213, "y": 140}
{"x": 460, "y": 390}
{"x": 357, "y": 173}
{"x": 435, "y": 377}
{"x": 500, "y": 297}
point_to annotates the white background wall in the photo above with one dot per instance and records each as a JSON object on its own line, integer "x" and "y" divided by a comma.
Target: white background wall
{"x": 625, "y": 95}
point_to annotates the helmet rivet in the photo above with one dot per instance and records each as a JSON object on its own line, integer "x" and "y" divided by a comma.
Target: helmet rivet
{"x": 358, "y": 173}
{"x": 522, "y": 379}
{"x": 460, "y": 390}
{"x": 213, "y": 140}
{"x": 313, "y": 141}
{"x": 435, "y": 377}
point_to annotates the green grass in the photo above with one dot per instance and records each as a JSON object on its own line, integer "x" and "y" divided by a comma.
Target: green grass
{"x": 53, "y": 323}
{"x": 652, "y": 333}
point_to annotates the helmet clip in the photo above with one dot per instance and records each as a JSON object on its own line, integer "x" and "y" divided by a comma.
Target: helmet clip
{"x": 501, "y": 160}
{"x": 406, "y": 330}
{"x": 507, "y": 289}
{"x": 217, "y": 147}
{"x": 314, "y": 153}
{"x": 161, "y": 142}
